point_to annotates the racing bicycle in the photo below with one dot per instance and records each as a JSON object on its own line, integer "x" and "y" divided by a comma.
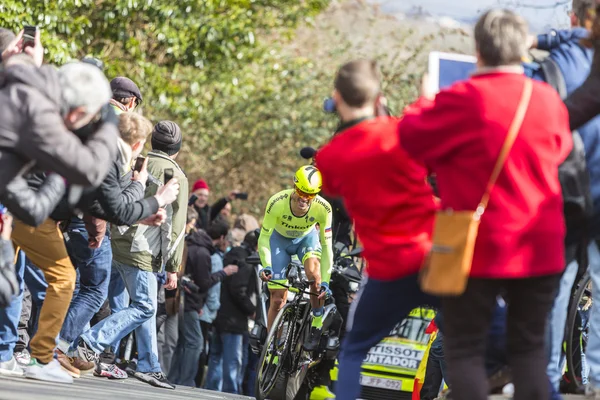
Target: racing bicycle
{"x": 285, "y": 370}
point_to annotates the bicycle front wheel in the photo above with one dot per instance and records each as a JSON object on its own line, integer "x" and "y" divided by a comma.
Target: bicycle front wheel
{"x": 271, "y": 373}
{"x": 576, "y": 336}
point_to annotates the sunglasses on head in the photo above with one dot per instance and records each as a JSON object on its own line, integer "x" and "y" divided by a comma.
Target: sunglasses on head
{"x": 304, "y": 195}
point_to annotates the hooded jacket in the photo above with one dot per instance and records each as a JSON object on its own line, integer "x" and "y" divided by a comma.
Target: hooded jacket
{"x": 198, "y": 267}
{"x": 236, "y": 293}
{"x": 32, "y": 128}
{"x": 155, "y": 248}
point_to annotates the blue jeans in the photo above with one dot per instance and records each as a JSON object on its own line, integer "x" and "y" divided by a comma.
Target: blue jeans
{"x": 245, "y": 356}
{"x": 93, "y": 269}
{"x": 118, "y": 298}
{"x": 139, "y": 316}
{"x": 371, "y": 319}
{"x": 225, "y": 362}
{"x": 184, "y": 367}
{"x": 9, "y": 316}
{"x": 592, "y": 354}
{"x": 556, "y": 325}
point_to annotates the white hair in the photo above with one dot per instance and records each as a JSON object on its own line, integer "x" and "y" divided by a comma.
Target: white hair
{"x": 84, "y": 85}
{"x": 501, "y": 38}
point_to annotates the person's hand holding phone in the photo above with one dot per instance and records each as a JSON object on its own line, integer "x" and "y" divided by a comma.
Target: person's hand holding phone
{"x": 167, "y": 193}
{"x": 140, "y": 171}
{"x": 35, "y": 50}
{"x": 32, "y": 45}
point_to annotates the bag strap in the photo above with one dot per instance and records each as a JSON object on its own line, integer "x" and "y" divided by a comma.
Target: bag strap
{"x": 513, "y": 131}
{"x": 554, "y": 77}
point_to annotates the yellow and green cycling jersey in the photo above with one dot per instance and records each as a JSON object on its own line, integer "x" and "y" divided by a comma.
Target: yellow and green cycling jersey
{"x": 284, "y": 234}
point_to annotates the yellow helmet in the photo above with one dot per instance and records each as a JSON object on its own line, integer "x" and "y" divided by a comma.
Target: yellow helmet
{"x": 308, "y": 179}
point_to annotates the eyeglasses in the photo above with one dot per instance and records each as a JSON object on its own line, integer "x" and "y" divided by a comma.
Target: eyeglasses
{"x": 304, "y": 195}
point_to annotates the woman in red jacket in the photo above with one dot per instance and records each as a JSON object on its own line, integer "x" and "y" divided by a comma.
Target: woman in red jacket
{"x": 519, "y": 252}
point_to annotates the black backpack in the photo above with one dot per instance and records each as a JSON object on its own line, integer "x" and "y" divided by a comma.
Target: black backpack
{"x": 572, "y": 173}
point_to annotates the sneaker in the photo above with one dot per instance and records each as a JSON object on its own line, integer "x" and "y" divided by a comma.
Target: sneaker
{"x": 110, "y": 371}
{"x": 66, "y": 363}
{"x": 23, "y": 358}
{"x": 11, "y": 368}
{"x": 51, "y": 372}
{"x": 592, "y": 393}
{"x": 312, "y": 342}
{"x": 86, "y": 353}
{"x": 157, "y": 379}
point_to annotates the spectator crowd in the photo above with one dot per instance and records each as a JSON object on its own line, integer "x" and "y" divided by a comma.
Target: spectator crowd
{"x": 112, "y": 264}
{"x": 105, "y": 255}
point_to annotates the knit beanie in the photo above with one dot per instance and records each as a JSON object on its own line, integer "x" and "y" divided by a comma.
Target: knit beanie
{"x": 166, "y": 137}
{"x": 200, "y": 184}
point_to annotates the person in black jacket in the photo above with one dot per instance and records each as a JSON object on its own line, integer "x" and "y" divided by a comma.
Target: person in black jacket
{"x": 226, "y": 351}
{"x": 201, "y": 246}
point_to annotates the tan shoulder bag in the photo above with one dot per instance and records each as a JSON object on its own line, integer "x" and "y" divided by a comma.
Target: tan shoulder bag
{"x": 447, "y": 268}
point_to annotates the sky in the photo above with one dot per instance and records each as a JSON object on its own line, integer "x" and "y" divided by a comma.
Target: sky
{"x": 541, "y": 14}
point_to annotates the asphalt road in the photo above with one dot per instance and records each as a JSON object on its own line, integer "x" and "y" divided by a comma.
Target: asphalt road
{"x": 92, "y": 388}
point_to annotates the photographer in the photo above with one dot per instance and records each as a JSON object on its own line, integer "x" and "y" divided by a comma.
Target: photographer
{"x": 207, "y": 214}
{"x": 41, "y": 106}
{"x": 201, "y": 246}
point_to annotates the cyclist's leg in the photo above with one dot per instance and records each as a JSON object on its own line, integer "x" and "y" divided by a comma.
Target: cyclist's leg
{"x": 278, "y": 300}
{"x": 309, "y": 251}
{"x": 280, "y": 259}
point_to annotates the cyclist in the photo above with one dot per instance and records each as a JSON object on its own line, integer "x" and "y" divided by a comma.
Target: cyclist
{"x": 289, "y": 227}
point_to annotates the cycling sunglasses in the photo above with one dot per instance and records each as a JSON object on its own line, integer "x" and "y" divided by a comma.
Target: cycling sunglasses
{"x": 304, "y": 195}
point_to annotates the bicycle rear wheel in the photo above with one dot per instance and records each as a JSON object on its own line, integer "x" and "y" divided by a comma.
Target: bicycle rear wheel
{"x": 271, "y": 379}
{"x": 576, "y": 335}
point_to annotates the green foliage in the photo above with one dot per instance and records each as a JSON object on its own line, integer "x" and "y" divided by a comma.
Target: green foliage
{"x": 227, "y": 71}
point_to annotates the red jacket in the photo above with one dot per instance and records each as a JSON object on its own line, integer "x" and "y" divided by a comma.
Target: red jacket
{"x": 459, "y": 136}
{"x": 385, "y": 193}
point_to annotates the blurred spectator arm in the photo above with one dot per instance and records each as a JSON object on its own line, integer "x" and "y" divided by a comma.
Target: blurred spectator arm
{"x": 133, "y": 190}
{"x": 554, "y": 38}
{"x": 30, "y": 206}
{"x": 584, "y": 103}
{"x": 216, "y": 208}
{"x": 112, "y": 203}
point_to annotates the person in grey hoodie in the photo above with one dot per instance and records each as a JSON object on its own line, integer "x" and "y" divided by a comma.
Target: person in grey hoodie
{"x": 43, "y": 114}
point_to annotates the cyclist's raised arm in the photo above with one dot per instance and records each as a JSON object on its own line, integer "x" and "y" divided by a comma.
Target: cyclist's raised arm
{"x": 325, "y": 223}
{"x": 268, "y": 225}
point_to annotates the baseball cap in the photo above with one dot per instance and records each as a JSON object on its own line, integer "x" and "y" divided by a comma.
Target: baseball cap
{"x": 123, "y": 87}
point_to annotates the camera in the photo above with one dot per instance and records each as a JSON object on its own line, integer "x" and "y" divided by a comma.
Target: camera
{"x": 187, "y": 282}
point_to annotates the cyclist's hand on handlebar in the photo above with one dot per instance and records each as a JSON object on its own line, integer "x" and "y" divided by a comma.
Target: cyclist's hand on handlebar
{"x": 266, "y": 274}
{"x": 325, "y": 292}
